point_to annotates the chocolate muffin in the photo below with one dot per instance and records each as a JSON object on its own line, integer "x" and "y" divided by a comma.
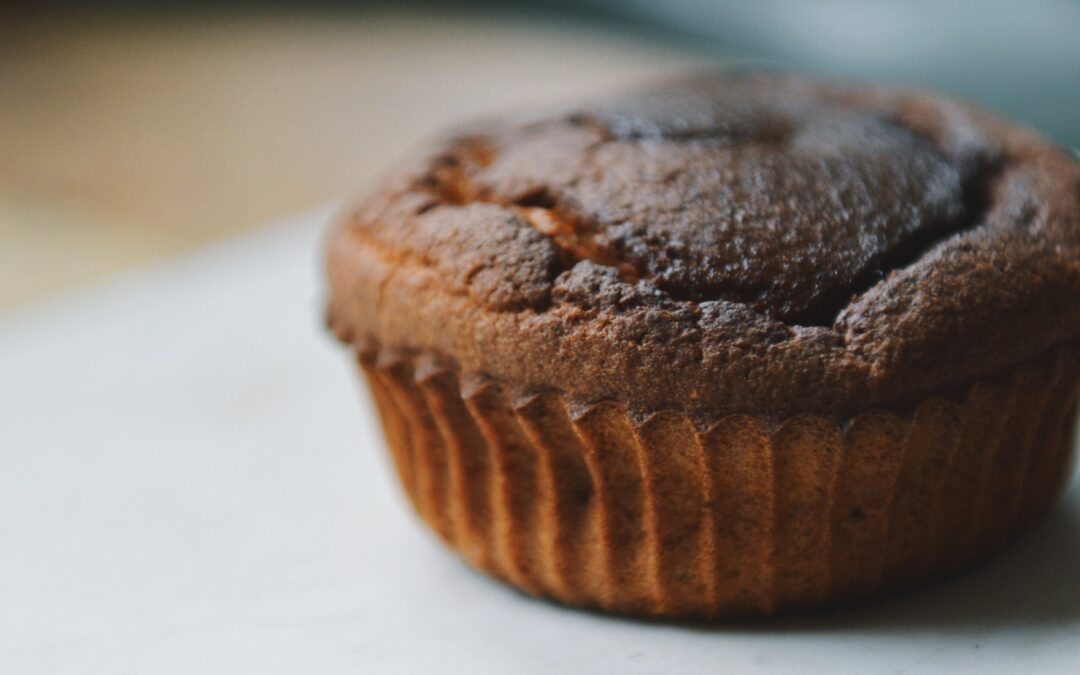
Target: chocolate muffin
{"x": 724, "y": 346}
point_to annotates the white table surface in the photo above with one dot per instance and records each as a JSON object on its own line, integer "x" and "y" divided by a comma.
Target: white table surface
{"x": 191, "y": 481}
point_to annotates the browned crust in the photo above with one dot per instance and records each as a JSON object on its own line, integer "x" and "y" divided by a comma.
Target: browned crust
{"x": 659, "y": 517}
{"x": 491, "y": 265}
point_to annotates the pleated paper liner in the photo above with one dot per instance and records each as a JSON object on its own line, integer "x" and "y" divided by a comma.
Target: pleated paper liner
{"x": 661, "y": 518}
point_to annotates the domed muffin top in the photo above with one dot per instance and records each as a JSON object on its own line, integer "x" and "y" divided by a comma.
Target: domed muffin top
{"x": 727, "y": 243}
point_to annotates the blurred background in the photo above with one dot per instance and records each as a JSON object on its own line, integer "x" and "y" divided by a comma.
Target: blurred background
{"x": 128, "y": 134}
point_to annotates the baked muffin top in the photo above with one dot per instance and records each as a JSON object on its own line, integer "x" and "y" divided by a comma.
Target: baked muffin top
{"x": 726, "y": 243}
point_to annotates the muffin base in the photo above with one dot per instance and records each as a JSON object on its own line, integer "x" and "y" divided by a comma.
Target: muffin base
{"x": 592, "y": 506}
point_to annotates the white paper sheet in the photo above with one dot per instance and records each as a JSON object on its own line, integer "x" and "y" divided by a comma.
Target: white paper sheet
{"x": 191, "y": 481}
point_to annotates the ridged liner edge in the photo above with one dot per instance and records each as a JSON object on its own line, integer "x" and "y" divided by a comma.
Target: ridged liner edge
{"x": 661, "y": 518}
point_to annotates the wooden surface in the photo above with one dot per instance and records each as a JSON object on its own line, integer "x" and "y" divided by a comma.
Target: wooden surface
{"x": 125, "y": 141}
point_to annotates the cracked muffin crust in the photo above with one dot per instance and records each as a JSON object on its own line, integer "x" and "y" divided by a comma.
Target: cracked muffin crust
{"x": 735, "y": 244}
{"x": 751, "y": 250}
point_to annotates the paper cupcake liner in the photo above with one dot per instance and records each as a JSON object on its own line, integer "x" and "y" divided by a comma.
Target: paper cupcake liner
{"x": 661, "y": 518}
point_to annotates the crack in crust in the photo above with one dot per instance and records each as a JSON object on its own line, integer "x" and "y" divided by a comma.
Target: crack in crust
{"x": 978, "y": 201}
{"x": 577, "y": 241}
{"x": 577, "y": 238}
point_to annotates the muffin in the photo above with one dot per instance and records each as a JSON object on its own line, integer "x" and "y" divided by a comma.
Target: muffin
{"x": 725, "y": 346}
